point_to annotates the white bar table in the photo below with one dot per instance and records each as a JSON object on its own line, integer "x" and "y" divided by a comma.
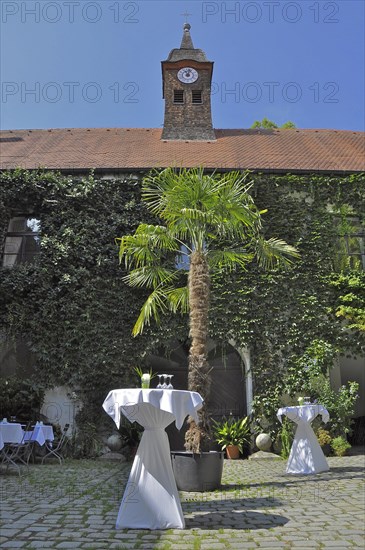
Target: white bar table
{"x": 151, "y": 499}
{"x": 306, "y": 455}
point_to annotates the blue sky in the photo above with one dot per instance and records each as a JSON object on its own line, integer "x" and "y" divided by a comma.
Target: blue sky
{"x": 81, "y": 63}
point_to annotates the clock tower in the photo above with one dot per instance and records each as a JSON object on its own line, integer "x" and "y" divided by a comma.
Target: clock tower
{"x": 187, "y": 77}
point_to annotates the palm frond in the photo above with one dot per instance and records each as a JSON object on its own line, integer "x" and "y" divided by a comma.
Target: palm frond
{"x": 157, "y": 236}
{"x": 273, "y": 252}
{"x": 153, "y": 306}
{"x": 146, "y": 245}
{"x": 160, "y": 301}
{"x": 229, "y": 258}
{"x": 178, "y": 299}
{"x": 150, "y": 276}
{"x": 135, "y": 251}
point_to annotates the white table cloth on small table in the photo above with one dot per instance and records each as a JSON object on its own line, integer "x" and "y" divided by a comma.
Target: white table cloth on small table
{"x": 306, "y": 455}
{"x": 10, "y": 433}
{"x": 151, "y": 499}
{"x": 40, "y": 434}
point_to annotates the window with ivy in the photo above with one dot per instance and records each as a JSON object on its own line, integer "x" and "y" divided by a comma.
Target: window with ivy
{"x": 350, "y": 245}
{"x": 22, "y": 241}
{"x": 354, "y": 245}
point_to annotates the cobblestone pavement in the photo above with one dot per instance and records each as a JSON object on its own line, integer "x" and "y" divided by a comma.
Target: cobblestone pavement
{"x": 258, "y": 506}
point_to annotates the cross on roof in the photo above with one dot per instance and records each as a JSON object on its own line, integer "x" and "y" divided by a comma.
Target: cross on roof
{"x": 186, "y": 15}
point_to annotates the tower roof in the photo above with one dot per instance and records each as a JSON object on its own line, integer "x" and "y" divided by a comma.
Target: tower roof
{"x": 187, "y": 50}
{"x": 186, "y": 42}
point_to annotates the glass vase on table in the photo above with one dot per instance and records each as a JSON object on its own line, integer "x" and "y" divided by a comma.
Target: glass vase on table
{"x": 145, "y": 381}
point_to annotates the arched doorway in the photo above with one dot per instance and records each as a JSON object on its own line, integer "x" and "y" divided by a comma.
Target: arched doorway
{"x": 228, "y": 390}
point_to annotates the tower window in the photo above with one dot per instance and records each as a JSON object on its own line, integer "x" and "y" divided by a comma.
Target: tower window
{"x": 196, "y": 96}
{"x": 179, "y": 96}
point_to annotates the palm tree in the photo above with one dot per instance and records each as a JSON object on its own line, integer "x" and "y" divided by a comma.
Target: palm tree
{"x": 211, "y": 219}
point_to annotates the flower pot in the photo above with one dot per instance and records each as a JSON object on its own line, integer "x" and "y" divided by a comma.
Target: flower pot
{"x": 197, "y": 472}
{"x": 233, "y": 452}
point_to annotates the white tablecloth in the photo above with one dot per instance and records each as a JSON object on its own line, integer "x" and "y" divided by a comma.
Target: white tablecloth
{"x": 40, "y": 434}
{"x": 306, "y": 455}
{"x": 151, "y": 499}
{"x": 10, "y": 433}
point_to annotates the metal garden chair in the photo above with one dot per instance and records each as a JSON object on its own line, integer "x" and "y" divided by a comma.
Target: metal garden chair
{"x": 54, "y": 448}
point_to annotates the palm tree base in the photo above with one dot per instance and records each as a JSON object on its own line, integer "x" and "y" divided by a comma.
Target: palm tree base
{"x": 197, "y": 438}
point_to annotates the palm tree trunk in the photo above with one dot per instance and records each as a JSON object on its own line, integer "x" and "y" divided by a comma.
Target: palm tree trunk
{"x": 198, "y": 438}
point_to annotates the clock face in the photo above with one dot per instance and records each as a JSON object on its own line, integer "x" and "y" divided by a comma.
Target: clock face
{"x": 187, "y": 75}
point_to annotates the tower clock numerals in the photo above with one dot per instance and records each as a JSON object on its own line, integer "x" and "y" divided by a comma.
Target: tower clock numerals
{"x": 187, "y": 75}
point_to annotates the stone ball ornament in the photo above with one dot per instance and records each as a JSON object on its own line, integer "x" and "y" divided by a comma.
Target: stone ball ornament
{"x": 114, "y": 443}
{"x": 263, "y": 442}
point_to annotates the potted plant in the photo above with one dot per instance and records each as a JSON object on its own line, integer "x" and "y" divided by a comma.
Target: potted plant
{"x": 232, "y": 435}
{"x": 212, "y": 220}
{"x": 324, "y": 439}
{"x": 340, "y": 445}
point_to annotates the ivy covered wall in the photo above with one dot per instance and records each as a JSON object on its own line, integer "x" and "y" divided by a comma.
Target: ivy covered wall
{"x": 288, "y": 318}
{"x": 76, "y": 313}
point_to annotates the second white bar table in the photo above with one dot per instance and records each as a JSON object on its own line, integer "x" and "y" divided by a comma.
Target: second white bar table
{"x": 306, "y": 455}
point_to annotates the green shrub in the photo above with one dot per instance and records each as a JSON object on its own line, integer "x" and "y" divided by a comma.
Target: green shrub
{"x": 340, "y": 403}
{"x": 20, "y": 398}
{"x": 323, "y": 436}
{"x": 340, "y": 446}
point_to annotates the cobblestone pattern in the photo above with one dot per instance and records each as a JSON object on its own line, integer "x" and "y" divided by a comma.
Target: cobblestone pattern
{"x": 259, "y": 506}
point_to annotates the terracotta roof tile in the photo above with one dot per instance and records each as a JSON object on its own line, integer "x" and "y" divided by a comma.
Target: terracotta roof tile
{"x": 142, "y": 148}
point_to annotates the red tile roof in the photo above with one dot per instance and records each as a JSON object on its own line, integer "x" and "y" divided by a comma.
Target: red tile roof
{"x": 117, "y": 149}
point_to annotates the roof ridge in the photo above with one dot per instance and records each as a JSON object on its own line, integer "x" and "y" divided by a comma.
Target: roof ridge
{"x": 258, "y": 130}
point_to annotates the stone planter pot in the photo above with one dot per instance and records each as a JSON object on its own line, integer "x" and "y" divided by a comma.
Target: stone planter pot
{"x": 197, "y": 472}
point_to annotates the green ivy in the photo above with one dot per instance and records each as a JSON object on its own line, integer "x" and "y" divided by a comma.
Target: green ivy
{"x": 289, "y": 319}
{"x": 71, "y": 306}
{"x": 76, "y": 313}
{"x": 21, "y": 399}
